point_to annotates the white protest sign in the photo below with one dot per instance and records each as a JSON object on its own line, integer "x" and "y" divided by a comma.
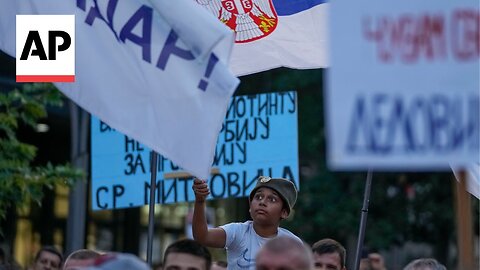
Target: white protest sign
{"x": 403, "y": 88}
{"x": 258, "y": 137}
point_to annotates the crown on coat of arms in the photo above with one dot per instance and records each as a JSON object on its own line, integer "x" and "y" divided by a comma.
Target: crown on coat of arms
{"x": 250, "y": 19}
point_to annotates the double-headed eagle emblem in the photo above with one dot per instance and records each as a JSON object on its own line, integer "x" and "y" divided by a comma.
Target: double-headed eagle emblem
{"x": 250, "y": 19}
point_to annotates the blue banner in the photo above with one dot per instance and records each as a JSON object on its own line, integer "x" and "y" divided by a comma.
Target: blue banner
{"x": 258, "y": 137}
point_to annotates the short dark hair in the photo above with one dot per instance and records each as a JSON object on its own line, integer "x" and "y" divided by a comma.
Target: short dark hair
{"x": 327, "y": 245}
{"x": 191, "y": 247}
{"x": 50, "y": 249}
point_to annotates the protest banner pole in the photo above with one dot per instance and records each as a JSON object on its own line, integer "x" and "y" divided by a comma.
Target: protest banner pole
{"x": 78, "y": 193}
{"x": 151, "y": 210}
{"x": 363, "y": 219}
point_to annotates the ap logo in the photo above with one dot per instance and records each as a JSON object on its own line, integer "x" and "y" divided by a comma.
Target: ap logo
{"x": 45, "y": 48}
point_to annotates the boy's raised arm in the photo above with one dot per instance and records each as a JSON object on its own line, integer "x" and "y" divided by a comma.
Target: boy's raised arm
{"x": 215, "y": 237}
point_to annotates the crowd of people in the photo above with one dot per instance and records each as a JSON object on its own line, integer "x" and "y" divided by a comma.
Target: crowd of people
{"x": 259, "y": 243}
{"x": 278, "y": 253}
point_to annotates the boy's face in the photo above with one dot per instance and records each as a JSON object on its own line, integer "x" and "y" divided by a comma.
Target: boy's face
{"x": 267, "y": 206}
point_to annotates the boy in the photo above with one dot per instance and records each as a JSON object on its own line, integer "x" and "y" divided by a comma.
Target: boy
{"x": 271, "y": 200}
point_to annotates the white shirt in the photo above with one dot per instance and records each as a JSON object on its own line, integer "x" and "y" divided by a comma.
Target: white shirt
{"x": 243, "y": 243}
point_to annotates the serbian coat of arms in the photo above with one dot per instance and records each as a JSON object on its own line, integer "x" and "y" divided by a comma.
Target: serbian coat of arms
{"x": 250, "y": 19}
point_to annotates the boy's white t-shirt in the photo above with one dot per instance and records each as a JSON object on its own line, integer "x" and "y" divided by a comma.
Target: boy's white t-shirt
{"x": 242, "y": 244}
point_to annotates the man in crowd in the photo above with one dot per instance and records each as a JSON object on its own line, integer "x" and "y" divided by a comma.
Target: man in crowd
{"x": 284, "y": 253}
{"x": 80, "y": 258}
{"x": 118, "y": 261}
{"x": 48, "y": 258}
{"x": 329, "y": 254}
{"x": 187, "y": 254}
{"x": 425, "y": 264}
{"x": 376, "y": 261}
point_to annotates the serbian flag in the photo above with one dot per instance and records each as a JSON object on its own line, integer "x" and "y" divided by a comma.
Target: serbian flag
{"x": 157, "y": 71}
{"x": 274, "y": 33}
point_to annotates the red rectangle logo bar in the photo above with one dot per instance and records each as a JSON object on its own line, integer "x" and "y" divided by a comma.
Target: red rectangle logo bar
{"x": 45, "y": 78}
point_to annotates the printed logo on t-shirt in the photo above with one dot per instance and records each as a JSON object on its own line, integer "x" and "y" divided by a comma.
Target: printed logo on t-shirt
{"x": 245, "y": 262}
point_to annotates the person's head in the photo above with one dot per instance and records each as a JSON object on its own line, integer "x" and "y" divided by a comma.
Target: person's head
{"x": 329, "y": 254}
{"x": 187, "y": 254}
{"x": 364, "y": 260}
{"x": 284, "y": 253}
{"x": 117, "y": 261}
{"x": 272, "y": 199}
{"x": 425, "y": 264}
{"x": 48, "y": 258}
{"x": 80, "y": 258}
{"x": 376, "y": 261}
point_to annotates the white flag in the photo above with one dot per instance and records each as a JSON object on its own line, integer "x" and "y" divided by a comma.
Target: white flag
{"x": 154, "y": 70}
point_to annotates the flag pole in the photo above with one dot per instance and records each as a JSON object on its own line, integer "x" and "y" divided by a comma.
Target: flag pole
{"x": 363, "y": 219}
{"x": 463, "y": 207}
{"x": 151, "y": 212}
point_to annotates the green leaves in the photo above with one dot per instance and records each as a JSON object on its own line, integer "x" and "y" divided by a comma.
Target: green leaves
{"x": 20, "y": 181}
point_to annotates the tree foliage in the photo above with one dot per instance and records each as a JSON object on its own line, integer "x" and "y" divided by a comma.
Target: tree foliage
{"x": 20, "y": 181}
